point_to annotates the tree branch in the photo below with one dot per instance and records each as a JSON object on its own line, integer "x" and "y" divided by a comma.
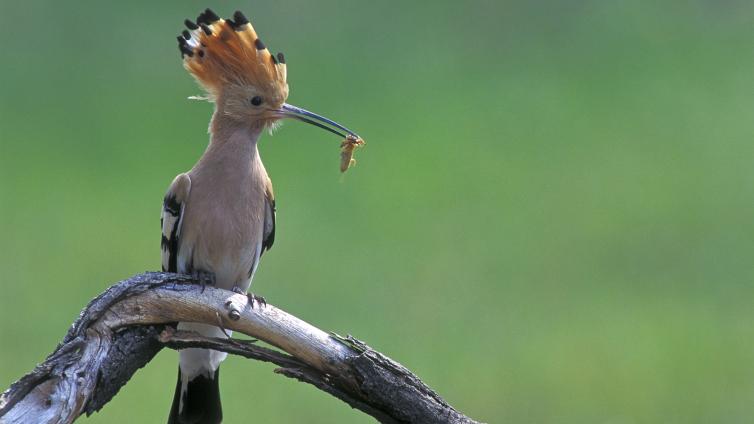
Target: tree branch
{"x": 123, "y": 328}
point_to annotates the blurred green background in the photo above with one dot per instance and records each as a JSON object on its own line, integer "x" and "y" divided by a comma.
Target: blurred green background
{"x": 552, "y": 220}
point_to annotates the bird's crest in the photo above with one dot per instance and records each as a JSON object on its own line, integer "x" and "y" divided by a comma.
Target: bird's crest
{"x": 226, "y": 52}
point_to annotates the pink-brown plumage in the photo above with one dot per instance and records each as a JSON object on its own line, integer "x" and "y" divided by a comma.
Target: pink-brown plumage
{"x": 219, "y": 217}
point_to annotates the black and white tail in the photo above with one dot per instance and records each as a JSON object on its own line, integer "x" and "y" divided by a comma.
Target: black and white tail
{"x": 197, "y": 401}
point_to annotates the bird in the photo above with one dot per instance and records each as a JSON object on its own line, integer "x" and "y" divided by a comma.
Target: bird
{"x": 218, "y": 218}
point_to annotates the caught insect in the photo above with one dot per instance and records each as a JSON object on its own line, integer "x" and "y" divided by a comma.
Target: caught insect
{"x": 346, "y": 151}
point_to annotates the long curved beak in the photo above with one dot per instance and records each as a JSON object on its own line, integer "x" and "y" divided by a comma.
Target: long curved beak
{"x": 303, "y": 115}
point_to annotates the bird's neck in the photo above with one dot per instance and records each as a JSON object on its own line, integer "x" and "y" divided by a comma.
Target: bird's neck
{"x": 232, "y": 145}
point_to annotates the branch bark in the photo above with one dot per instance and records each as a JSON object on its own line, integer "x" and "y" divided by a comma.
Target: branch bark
{"x": 122, "y": 329}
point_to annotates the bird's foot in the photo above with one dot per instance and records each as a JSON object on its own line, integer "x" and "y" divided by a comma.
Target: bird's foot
{"x": 256, "y": 298}
{"x": 251, "y": 296}
{"x": 204, "y": 278}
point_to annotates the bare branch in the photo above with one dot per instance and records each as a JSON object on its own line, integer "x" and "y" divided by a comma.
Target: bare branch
{"x": 122, "y": 329}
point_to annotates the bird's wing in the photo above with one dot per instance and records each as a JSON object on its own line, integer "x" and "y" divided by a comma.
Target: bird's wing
{"x": 172, "y": 216}
{"x": 268, "y": 237}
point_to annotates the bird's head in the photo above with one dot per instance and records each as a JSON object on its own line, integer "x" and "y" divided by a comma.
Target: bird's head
{"x": 233, "y": 65}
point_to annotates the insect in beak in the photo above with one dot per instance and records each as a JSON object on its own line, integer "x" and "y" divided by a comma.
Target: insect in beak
{"x": 351, "y": 140}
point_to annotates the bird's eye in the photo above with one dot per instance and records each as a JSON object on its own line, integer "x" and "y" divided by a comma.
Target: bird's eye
{"x": 256, "y": 100}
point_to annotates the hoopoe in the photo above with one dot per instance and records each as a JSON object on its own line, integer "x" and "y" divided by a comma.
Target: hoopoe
{"x": 219, "y": 217}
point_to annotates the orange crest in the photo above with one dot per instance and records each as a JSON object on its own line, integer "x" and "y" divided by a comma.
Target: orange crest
{"x": 223, "y": 53}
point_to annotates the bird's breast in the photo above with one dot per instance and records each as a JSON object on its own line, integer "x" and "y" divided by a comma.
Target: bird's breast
{"x": 222, "y": 232}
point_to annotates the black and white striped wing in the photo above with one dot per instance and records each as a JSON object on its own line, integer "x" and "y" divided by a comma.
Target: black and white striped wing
{"x": 268, "y": 236}
{"x": 173, "y": 207}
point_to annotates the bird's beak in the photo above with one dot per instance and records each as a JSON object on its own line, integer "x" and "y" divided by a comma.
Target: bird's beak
{"x": 303, "y": 115}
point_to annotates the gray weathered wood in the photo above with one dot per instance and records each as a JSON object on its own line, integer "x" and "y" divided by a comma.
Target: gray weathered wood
{"x": 122, "y": 329}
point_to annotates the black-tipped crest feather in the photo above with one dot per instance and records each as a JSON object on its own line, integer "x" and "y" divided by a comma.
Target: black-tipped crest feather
{"x": 240, "y": 18}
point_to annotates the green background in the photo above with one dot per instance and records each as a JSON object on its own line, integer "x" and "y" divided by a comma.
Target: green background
{"x": 552, "y": 221}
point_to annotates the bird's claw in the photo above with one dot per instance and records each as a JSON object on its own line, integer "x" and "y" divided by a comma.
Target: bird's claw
{"x": 251, "y": 296}
{"x": 256, "y": 298}
{"x": 204, "y": 278}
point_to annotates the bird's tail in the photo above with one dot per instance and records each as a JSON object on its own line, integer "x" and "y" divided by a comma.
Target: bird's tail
{"x": 197, "y": 401}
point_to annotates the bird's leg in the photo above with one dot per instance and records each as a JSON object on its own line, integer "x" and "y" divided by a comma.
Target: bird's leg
{"x": 204, "y": 278}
